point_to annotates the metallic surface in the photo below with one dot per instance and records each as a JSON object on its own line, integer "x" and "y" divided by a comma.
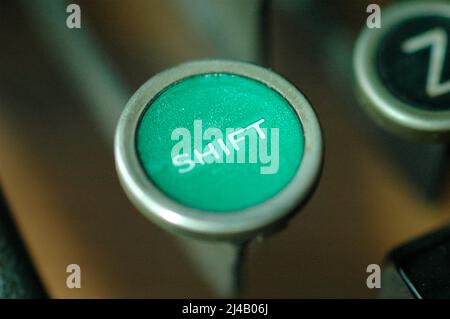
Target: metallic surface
{"x": 77, "y": 211}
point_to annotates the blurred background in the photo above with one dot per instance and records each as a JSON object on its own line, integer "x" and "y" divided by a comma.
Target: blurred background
{"x": 62, "y": 90}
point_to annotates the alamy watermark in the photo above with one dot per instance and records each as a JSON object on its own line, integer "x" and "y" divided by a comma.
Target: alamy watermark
{"x": 73, "y": 20}
{"x": 374, "y": 19}
{"x": 252, "y": 144}
{"x": 374, "y": 278}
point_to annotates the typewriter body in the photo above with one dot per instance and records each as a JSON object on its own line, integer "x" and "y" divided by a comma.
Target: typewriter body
{"x": 65, "y": 82}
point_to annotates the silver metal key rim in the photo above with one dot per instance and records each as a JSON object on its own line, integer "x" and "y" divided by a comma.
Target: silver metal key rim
{"x": 386, "y": 109}
{"x": 238, "y": 225}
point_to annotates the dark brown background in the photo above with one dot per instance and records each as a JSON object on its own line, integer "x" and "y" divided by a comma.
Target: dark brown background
{"x": 59, "y": 178}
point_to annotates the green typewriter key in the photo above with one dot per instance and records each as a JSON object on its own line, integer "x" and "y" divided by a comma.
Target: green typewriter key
{"x": 403, "y": 69}
{"x": 218, "y": 150}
